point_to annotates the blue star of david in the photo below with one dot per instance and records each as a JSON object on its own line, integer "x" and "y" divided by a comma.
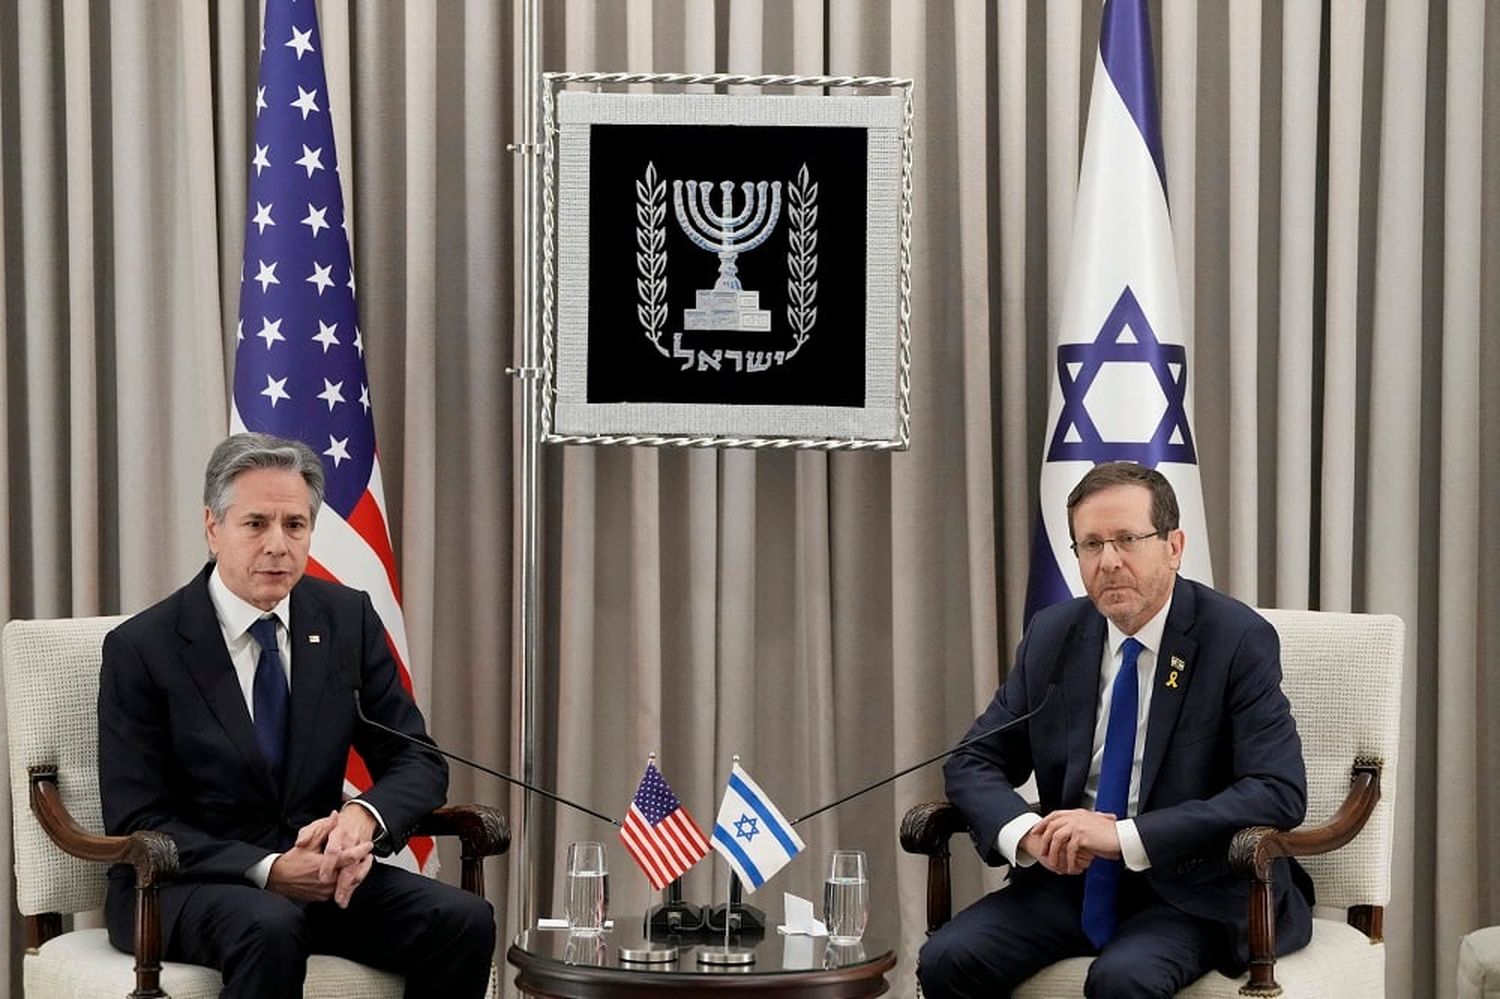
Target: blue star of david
{"x": 1088, "y": 443}
{"x": 744, "y": 828}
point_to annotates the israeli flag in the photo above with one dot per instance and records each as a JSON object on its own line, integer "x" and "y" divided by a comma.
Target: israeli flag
{"x": 751, "y": 833}
{"x": 1121, "y": 389}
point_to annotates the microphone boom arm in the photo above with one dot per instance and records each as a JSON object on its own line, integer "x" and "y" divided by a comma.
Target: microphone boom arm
{"x": 965, "y": 744}
{"x": 360, "y": 711}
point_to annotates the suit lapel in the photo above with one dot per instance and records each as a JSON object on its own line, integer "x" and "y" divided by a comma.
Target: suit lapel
{"x": 1081, "y": 697}
{"x": 1174, "y": 662}
{"x": 206, "y": 659}
{"x": 312, "y": 668}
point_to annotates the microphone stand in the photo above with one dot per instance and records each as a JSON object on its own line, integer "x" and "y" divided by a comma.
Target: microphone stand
{"x": 673, "y": 916}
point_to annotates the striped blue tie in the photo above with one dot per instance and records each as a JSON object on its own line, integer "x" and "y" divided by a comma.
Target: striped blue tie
{"x": 270, "y": 696}
{"x": 1101, "y": 882}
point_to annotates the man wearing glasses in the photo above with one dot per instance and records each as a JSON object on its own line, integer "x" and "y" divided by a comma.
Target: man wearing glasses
{"x": 1167, "y": 733}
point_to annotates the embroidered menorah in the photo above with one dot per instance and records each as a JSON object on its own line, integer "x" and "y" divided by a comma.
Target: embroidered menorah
{"x": 727, "y": 233}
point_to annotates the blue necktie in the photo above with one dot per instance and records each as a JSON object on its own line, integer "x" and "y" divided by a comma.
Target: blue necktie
{"x": 271, "y": 697}
{"x": 1101, "y": 882}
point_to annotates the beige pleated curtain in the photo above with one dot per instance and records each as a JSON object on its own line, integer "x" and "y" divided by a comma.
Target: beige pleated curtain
{"x": 1334, "y": 181}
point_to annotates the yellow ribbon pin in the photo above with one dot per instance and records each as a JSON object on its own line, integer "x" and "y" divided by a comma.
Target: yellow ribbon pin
{"x": 1172, "y": 679}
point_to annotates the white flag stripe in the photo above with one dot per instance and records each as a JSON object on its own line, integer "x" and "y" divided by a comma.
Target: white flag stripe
{"x": 659, "y": 848}
{"x": 685, "y": 831}
{"x": 669, "y": 845}
{"x": 645, "y": 849}
{"x": 335, "y": 543}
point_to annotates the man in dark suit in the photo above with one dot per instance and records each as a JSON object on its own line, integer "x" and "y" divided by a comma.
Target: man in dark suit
{"x": 1126, "y": 856}
{"x": 225, "y": 720}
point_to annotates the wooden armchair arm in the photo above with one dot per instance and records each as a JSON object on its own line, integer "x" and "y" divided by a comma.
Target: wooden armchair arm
{"x": 482, "y": 831}
{"x": 152, "y": 854}
{"x": 926, "y": 829}
{"x": 1252, "y": 850}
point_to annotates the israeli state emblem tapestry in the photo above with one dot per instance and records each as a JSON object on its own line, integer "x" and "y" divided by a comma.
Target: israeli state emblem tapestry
{"x": 726, "y": 270}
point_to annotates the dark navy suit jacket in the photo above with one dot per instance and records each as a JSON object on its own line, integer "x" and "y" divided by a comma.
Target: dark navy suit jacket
{"x": 1221, "y": 753}
{"x": 177, "y": 749}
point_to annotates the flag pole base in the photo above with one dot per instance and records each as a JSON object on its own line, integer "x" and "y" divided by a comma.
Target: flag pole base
{"x": 649, "y": 953}
{"x": 726, "y": 956}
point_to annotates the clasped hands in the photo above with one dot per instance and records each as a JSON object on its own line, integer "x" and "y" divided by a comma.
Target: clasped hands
{"x": 1068, "y": 840}
{"x": 329, "y": 859}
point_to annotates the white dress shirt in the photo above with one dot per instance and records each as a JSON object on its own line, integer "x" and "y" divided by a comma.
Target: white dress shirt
{"x": 1132, "y": 850}
{"x": 235, "y": 618}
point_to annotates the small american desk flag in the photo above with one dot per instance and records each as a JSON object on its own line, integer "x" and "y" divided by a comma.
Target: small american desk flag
{"x": 659, "y": 833}
{"x": 299, "y": 362}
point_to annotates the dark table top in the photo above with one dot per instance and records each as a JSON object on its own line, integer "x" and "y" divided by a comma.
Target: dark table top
{"x": 553, "y": 963}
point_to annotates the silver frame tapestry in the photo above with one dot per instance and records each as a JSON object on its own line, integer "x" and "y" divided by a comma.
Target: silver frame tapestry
{"x": 726, "y": 270}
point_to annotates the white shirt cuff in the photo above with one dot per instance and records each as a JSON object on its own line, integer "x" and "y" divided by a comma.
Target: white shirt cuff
{"x": 261, "y": 872}
{"x": 1011, "y": 834}
{"x": 1131, "y": 848}
{"x": 380, "y": 831}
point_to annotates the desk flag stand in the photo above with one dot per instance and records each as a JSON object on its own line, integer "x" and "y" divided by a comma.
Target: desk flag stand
{"x": 731, "y": 913}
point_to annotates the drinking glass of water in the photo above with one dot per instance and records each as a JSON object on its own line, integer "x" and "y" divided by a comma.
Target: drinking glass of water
{"x": 846, "y": 897}
{"x": 587, "y": 888}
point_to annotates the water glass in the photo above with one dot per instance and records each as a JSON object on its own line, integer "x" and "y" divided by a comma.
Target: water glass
{"x": 842, "y": 955}
{"x": 846, "y": 897}
{"x": 587, "y": 900}
{"x": 586, "y": 949}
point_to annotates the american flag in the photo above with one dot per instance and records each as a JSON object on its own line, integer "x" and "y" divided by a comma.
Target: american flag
{"x": 299, "y": 367}
{"x": 659, "y": 833}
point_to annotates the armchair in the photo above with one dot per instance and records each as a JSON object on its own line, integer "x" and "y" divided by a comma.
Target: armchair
{"x": 1342, "y": 674}
{"x": 51, "y": 671}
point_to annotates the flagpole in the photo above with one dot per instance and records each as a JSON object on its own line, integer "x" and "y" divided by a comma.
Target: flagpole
{"x": 529, "y": 490}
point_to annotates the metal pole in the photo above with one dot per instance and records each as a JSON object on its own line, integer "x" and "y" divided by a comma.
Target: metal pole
{"x": 530, "y": 485}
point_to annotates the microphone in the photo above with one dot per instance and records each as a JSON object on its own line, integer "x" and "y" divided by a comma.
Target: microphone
{"x": 1054, "y": 678}
{"x": 518, "y": 782}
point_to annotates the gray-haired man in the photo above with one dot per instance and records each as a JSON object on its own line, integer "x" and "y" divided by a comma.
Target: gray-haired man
{"x": 225, "y": 720}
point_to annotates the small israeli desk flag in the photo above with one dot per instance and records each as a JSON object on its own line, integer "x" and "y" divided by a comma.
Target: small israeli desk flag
{"x": 751, "y": 833}
{"x": 1121, "y": 388}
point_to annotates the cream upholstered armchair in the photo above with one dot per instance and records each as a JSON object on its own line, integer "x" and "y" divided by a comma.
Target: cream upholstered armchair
{"x": 51, "y": 691}
{"x": 1342, "y": 674}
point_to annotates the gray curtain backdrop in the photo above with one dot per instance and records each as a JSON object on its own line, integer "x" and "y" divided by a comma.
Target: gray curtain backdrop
{"x": 1334, "y": 181}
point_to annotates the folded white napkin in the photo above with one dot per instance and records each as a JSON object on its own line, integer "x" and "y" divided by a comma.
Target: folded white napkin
{"x": 799, "y": 918}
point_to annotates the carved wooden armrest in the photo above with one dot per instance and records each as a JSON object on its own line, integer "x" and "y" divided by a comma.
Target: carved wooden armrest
{"x": 1252, "y": 850}
{"x": 926, "y": 829}
{"x": 152, "y": 854}
{"x": 482, "y": 831}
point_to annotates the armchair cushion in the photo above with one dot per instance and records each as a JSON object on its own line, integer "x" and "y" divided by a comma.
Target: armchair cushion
{"x": 83, "y": 965}
{"x": 1479, "y": 964}
{"x": 1338, "y": 962}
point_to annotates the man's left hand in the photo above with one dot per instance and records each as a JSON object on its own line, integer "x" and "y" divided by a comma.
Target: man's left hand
{"x": 1073, "y": 837}
{"x": 347, "y": 851}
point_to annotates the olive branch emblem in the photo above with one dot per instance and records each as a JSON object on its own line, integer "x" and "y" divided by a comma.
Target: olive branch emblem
{"x": 651, "y": 256}
{"x": 802, "y": 259}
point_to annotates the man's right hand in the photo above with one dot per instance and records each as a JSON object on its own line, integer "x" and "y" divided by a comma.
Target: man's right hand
{"x": 1053, "y": 851}
{"x": 298, "y": 873}
{"x": 295, "y": 874}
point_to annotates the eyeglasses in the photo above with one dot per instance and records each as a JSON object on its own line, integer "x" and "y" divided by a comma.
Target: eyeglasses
{"x": 1125, "y": 544}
